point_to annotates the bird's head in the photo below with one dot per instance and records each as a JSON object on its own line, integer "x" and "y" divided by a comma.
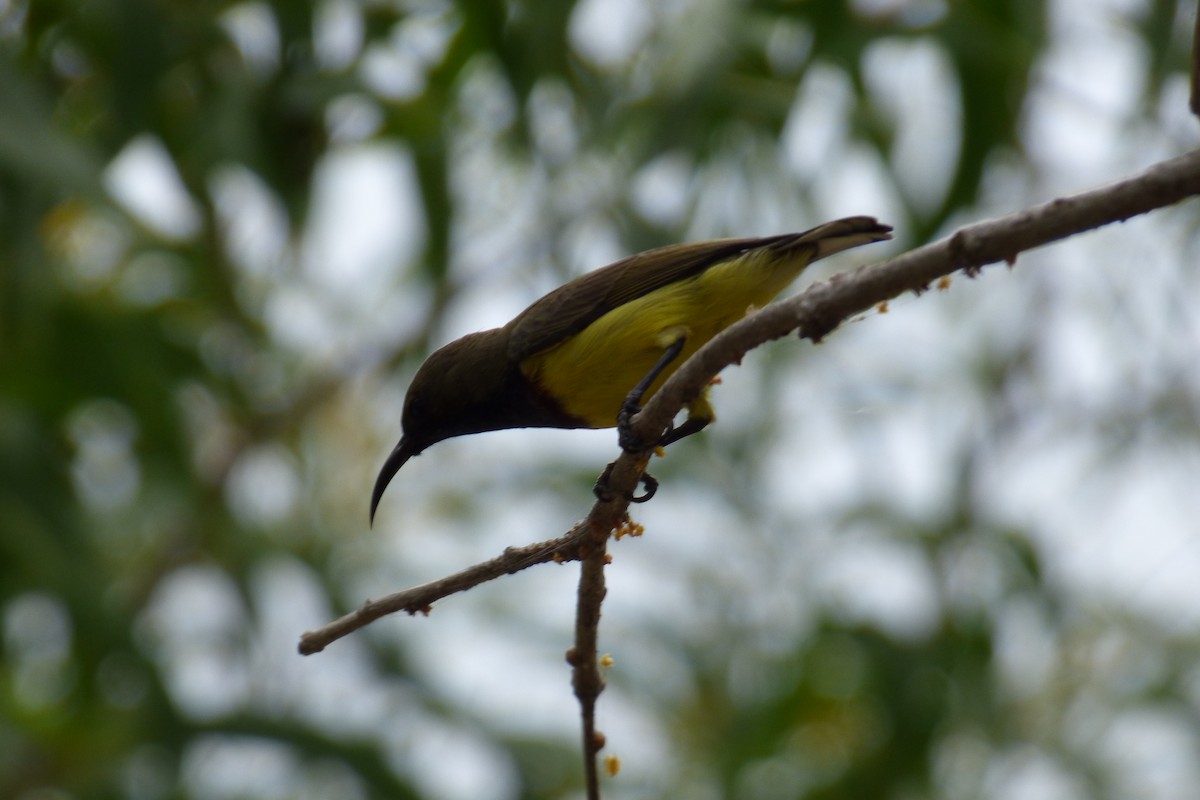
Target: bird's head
{"x": 455, "y": 392}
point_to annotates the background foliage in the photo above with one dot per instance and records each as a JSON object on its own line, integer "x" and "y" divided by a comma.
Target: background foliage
{"x": 950, "y": 553}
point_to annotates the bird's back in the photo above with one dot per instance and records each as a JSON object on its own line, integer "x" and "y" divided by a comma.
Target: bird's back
{"x": 614, "y": 324}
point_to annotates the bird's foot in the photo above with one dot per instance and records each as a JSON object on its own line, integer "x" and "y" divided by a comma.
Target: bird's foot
{"x": 676, "y": 432}
{"x": 630, "y": 441}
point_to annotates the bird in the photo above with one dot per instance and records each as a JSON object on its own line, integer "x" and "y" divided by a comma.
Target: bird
{"x": 583, "y": 354}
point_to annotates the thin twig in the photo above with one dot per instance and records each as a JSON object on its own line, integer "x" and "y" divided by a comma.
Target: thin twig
{"x": 586, "y": 679}
{"x": 419, "y": 599}
{"x": 584, "y": 656}
{"x": 605, "y": 516}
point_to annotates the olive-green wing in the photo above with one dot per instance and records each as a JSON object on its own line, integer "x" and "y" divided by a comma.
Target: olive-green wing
{"x": 569, "y": 309}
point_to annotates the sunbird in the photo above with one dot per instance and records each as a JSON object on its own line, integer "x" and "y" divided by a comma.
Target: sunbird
{"x": 572, "y": 359}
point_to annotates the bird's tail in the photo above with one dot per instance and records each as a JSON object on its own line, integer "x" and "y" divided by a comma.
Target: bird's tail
{"x": 841, "y": 234}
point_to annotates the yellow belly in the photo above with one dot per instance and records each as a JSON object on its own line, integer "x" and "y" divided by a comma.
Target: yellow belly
{"x": 591, "y": 373}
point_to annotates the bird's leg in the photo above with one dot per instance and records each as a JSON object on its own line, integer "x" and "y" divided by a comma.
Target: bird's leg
{"x": 629, "y": 441}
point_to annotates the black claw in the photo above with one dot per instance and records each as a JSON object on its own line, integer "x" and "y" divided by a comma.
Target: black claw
{"x": 604, "y": 494}
{"x": 651, "y": 484}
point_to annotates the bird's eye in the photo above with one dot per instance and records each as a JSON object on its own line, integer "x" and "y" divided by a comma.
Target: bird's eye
{"x": 415, "y": 408}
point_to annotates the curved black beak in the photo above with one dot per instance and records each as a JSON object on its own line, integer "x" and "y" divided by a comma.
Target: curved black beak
{"x": 402, "y": 452}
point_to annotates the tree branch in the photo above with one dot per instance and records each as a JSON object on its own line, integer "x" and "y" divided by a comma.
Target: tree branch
{"x": 419, "y": 599}
{"x": 606, "y": 516}
{"x": 823, "y": 306}
{"x": 584, "y": 656}
{"x": 815, "y": 313}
